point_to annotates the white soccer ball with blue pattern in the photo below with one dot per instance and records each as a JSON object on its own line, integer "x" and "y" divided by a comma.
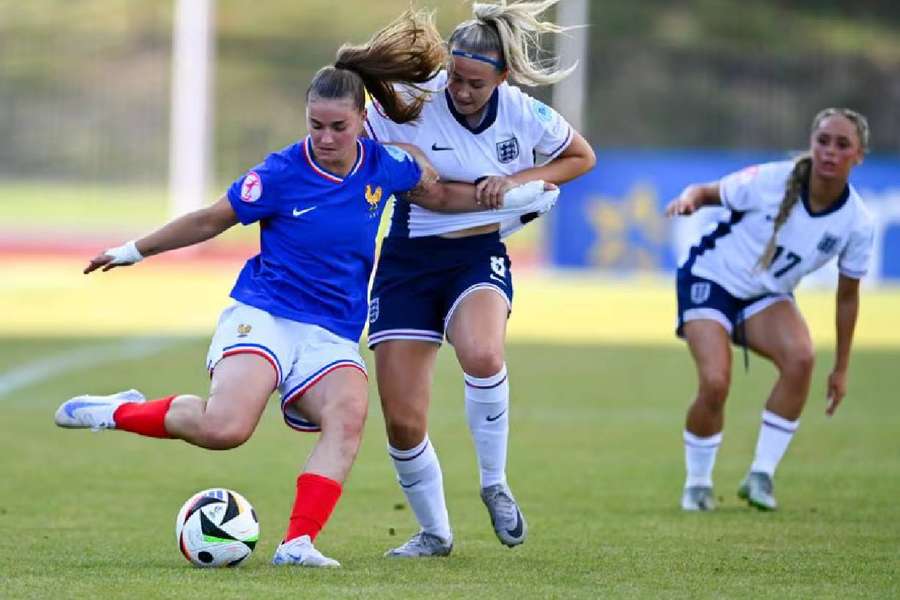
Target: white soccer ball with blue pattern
{"x": 216, "y": 528}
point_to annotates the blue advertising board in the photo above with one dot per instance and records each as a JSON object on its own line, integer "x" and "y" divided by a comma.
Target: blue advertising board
{"x": 612, "y": 218}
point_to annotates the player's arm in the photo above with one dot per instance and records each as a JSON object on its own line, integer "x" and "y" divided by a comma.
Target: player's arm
{"x": 436, "y": 195}
{"x": 694, "y": 197}
{"x": 187, "y": 230}
{"x": 846, "y": 312}
{"x": 577, "y": 159}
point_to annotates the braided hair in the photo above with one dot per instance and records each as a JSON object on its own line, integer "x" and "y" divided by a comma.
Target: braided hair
{"x": 799, "y": 177}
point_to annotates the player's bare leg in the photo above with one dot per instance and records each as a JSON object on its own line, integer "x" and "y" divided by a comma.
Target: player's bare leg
{"x": 710, "y": 347}
{"x": 240, "y": 387}
{"x": 780, "y": 334}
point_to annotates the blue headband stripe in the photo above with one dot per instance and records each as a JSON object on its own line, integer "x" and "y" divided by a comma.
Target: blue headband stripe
{"x": 497, "y": 64}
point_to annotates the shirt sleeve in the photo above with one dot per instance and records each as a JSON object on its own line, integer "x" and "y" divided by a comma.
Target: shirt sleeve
{"x": 377, "y": 123}
{"x": 553, "y": 132}
{"x": 853, "y": 261}
{"x": 400, "y": 167}
{"x": 254, "y": 195}
{"x": 738, "y": 190}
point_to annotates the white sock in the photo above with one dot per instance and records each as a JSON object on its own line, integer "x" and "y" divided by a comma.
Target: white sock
{"x": 775, "y": 435}
{"x": 420, "y": 477}
{"x": 700, "y": 458}
{"x": 487, "y": 410}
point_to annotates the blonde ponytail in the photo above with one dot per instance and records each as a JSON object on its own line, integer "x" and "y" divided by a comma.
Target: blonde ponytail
{"x": 513, "y": 31}
{"x": 792, "y": 189}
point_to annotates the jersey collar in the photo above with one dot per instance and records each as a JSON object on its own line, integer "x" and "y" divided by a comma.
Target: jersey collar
{"x": 325, "y": 173}
{"x": 490, "y": 114}
{"x": 835, "y": 206}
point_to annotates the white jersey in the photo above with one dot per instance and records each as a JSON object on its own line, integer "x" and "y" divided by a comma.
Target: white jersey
{"x": 805, "y": 242}
{"x": 515, "y": 128}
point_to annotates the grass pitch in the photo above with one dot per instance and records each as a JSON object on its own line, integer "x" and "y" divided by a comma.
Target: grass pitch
{"x": 595, "y": 460}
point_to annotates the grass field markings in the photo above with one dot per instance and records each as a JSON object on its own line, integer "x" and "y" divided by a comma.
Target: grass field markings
{"x": 78, "y": 358}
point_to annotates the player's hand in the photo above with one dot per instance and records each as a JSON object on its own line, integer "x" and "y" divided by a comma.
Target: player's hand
{"x": 120, "y": 256}
{"x": 837, "y": 389}
{"x": 683, "y": 205}
{"x": 489, "y": 191}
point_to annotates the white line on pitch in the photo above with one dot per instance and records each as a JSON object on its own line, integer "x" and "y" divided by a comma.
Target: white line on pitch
{"x": 78, "y": 358}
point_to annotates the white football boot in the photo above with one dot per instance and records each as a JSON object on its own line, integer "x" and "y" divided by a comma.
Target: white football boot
{"x": 300, "y": 551}
{"x": 93, "y": 412}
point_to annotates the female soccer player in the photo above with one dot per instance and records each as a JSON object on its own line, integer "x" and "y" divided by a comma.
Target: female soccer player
{"x": 451, "y": 276}
{"x": 787, "y": 219}
{"x": 300, "y": 305}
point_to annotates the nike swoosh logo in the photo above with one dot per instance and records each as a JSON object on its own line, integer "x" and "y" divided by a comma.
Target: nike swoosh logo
{"x": 71, "y": 407}
{"x": 517, "y": 530}
{"x": 297, "y": 213}
{"x": 437, "y": 148}
{"x": 416, "y": 482}
{"x": 492, "y": 419}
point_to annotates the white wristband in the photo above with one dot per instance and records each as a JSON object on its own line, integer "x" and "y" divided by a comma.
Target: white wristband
{"x": 126, "y": 254}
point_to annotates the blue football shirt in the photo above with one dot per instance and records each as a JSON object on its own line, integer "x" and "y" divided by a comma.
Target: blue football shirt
{"x": 317, "y": 232}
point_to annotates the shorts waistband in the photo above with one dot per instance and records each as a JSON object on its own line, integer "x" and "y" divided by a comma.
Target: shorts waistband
{"x": 438, "y": 243}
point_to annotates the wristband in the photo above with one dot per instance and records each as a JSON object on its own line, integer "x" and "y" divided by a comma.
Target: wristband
{"x": 126, "y": 254}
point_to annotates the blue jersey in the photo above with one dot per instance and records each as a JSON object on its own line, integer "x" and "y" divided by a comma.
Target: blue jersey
{"x": 317, "y": 232}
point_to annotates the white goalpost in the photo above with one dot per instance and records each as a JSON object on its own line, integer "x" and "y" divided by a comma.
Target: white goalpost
{"x": 193, "y": 48}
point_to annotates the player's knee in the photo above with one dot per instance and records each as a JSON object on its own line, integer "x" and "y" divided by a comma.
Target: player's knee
{"x": 482, "y": 361}
{"x": 219, "y": 436}
{"x": 352, "y": 419}
{"x": 405, "y": 431}
{"x": 714, "y": 389}
{"x": 799, "y": 362}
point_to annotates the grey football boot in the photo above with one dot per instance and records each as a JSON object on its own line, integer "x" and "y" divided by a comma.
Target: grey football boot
{"x": 757, "y": 489}
{"x": 508, "y": 521}
{"x": 422, "y": 544}
{"x": 697, "y": 498}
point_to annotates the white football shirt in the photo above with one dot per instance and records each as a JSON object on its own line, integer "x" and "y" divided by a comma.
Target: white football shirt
{"x": 515, "y": 128}
{"x": 805, "y": 242}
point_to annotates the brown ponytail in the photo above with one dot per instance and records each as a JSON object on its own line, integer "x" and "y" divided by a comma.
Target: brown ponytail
{"x": 409, "y": 50}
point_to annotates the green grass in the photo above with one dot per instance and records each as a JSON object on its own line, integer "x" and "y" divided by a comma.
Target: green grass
{"x": 596, "y": 462}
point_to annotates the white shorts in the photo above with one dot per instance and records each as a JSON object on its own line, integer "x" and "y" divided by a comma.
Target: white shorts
{"x": 300, "y": 353}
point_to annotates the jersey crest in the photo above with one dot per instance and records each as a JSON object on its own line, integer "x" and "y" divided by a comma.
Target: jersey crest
{"x": 373, "y": 198}
{"x": 508, "y": 150}
{"x": 827, "y": 243}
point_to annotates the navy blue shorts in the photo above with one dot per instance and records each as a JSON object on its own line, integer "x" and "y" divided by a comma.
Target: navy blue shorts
{"x": 700, "y": 298}
{"x": 421, "y": 281}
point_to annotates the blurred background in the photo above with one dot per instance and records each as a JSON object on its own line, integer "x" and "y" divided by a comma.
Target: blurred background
{"x": 103, "y": 103}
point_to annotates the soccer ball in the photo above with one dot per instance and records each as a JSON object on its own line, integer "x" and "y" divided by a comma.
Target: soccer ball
{"x": 216, "y": 528}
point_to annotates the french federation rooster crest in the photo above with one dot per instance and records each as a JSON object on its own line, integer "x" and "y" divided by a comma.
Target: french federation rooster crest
{"x": 373, "y": 198}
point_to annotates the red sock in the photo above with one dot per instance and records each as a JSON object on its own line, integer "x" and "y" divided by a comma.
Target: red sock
{"x": 145, "y": 418}
{"x": 316, "y": 498}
